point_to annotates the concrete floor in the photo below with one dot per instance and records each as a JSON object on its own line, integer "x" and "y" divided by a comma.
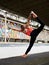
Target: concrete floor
{"x": 33, "y": 59}
{"x": 10, "y": 54}
{"x": 17, "y": 49}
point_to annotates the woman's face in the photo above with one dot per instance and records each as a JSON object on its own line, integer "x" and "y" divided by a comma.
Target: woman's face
{"x": 22, "y": 27}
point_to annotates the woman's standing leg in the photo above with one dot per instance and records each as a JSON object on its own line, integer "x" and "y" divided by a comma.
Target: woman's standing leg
{"x": 32, "y": 40}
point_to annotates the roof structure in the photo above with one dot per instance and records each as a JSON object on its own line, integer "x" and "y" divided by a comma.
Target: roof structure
{"x": 23, "y": 8}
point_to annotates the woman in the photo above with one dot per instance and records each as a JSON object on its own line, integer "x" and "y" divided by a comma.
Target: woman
{"x": 31, "y": 32}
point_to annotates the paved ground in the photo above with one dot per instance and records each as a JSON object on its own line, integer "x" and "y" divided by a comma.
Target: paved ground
{"x": 34, "y": 59}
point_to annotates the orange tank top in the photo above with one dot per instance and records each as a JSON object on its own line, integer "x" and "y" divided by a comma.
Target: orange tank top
{"x": 28, "y": 31}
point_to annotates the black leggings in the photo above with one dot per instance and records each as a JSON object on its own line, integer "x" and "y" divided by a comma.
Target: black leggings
{"x": 34, "y": 34}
